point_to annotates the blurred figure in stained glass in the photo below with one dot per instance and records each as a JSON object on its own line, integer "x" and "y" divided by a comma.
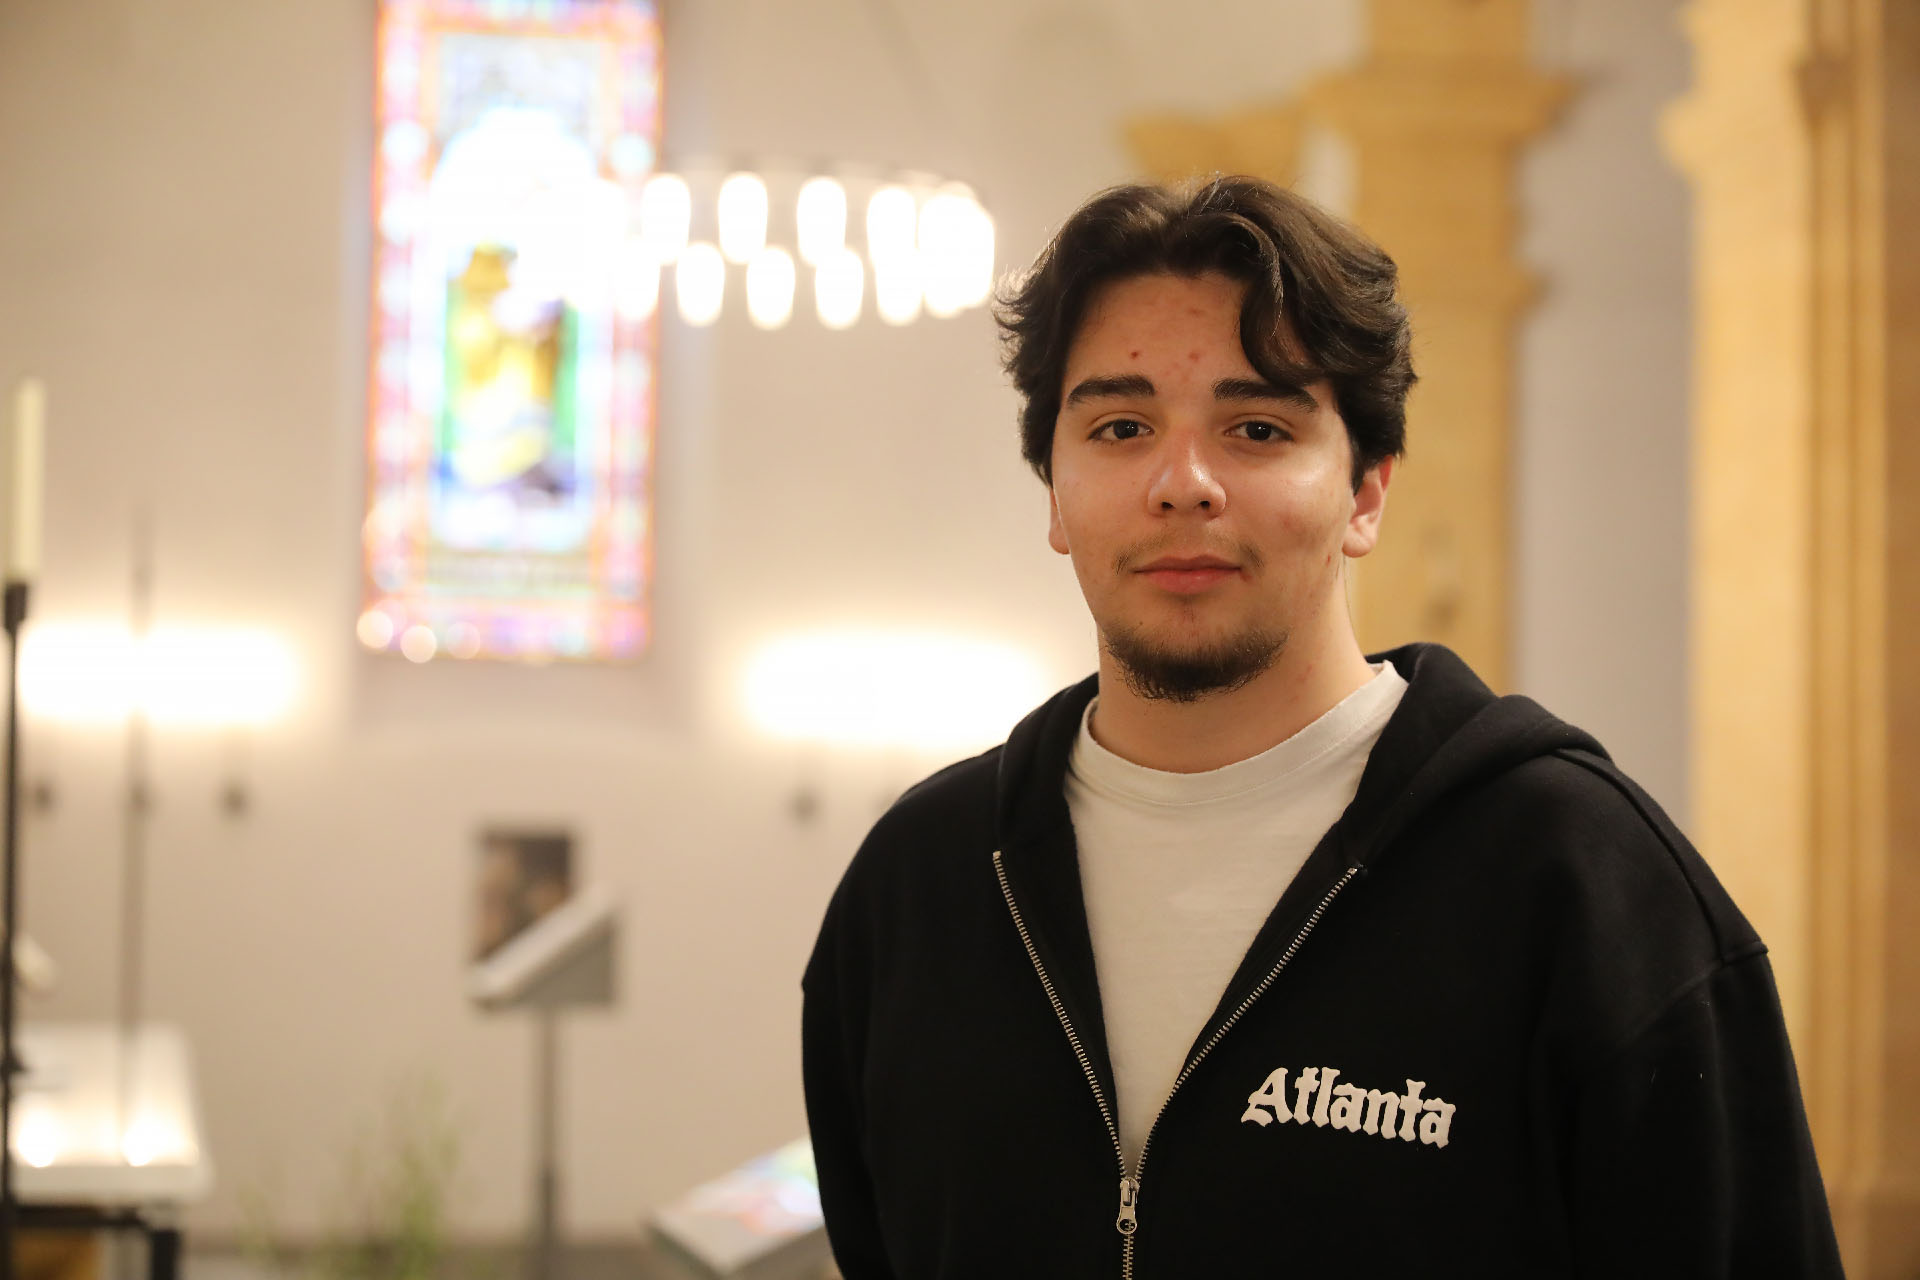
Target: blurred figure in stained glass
{"x": 503, "y": 362}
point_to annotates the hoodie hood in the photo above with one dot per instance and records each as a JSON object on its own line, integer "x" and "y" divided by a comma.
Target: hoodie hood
{"x": 1450, "y": 732}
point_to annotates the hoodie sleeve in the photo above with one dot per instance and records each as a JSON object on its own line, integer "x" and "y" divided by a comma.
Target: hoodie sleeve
{"x": 830, "y": 1042}
{"x": 1691, "y": 1155}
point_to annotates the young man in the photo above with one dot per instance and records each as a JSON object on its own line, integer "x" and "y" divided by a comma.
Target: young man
{"x": 1252, "y": 954}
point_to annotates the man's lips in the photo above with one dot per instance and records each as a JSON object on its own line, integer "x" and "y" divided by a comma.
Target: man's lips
{"x": 1187, "y": 575}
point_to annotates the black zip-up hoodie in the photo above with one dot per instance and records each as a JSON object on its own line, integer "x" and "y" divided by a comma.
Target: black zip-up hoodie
{"x": 1504, "y": 1022}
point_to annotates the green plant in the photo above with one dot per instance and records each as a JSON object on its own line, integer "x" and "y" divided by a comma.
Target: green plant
{"x": 393, "y": 1196}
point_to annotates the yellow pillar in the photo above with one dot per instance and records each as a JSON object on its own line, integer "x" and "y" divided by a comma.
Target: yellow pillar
{"x": 1801, "y": 137}
{"x": 1740, "y": 137}
{"x": 1436, "y": 117}
{"x": 1262, "y": 141}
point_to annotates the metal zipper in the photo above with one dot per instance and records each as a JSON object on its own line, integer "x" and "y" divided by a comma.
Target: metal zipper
{"x": 1126, "y": 1223}
{"x": 1219, "y": 1032}
{"x": 1128, "y": 1220}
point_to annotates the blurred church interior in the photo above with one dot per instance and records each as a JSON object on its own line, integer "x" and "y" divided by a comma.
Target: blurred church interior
{"x": 495, "y": 476}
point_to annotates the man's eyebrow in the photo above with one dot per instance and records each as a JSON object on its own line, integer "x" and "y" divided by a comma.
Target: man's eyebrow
{"x": 1261, "y": 389}
{"x": 1111, "y": 384}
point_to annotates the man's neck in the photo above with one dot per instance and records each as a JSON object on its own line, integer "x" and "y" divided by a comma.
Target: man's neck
{"x": 1216, "y": 731}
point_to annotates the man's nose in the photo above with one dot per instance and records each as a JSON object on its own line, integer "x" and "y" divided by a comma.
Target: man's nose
{"x": 1187, "y": 481}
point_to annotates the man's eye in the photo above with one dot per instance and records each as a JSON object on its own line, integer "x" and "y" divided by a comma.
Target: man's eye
{"x": 1120, "y": 429}
{"x": 1261, "y": 431}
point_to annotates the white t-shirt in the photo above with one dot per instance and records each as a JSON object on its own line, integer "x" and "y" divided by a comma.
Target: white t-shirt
{"x": 1180, "y": 870}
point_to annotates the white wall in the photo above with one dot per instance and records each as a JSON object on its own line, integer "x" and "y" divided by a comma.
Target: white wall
{"x": 183, "y": 256}
{"x": 1601, "y": 498}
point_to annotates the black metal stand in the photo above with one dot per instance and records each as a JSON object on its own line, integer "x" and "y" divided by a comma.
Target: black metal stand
{"x": 15, "y": 616}
{"x": 163, "y": 1238}
{"x": 133, "y": 854}
{"x": 546, "y": 1232}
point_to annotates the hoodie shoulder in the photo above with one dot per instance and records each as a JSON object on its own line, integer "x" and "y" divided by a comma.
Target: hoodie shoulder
{"x": 945, "y": 825}
{"x": 1499, "y": 799}
{"x": 1628, "y": 919}
{"x": 1712, "y": 896}
{"x": 1624, "y": 914}
{"x": 909, "y": 854}
{"x": 956, "y": 801}
{"x": 1610, "y": 800}
{"x": 1576, "y": 809}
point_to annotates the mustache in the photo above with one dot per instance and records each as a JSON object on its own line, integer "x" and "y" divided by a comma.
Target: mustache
{"x": 1244, "y": 554}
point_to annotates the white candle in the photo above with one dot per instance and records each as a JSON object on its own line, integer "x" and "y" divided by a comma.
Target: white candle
{"x": 24, "y": 480}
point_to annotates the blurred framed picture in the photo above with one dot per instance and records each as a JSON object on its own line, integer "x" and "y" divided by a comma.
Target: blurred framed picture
{"x": 523, "y": 875}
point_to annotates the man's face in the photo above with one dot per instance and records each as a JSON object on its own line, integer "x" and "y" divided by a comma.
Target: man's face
{"x": 1206, "y": 511}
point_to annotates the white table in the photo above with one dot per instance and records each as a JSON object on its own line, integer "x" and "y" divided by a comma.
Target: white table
{"x": 106, "y": 1131}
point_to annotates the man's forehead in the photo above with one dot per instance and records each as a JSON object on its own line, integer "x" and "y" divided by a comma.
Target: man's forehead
{"x": 1159, "y": 293}
{"x": 1144, "y": 335}
{"x": 1150, "y": 318}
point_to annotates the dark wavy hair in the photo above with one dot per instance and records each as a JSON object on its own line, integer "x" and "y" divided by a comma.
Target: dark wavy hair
{"x": 1333, "y": 287}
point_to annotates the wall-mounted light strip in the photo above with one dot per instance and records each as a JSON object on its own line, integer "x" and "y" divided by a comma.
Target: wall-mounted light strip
{"x": 179, "y": 676}
{"x": 923, "y": 691}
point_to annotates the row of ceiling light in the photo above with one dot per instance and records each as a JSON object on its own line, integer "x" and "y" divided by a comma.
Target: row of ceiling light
{"x": 930, "y": 250}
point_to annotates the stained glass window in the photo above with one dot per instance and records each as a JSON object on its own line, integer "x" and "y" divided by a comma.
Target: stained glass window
{"x": 510, "y": 412}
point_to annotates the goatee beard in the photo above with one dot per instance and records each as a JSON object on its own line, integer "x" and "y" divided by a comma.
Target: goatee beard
{"x": 1187, "y": 675}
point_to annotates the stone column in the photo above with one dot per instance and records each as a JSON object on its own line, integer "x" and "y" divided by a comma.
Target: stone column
{"x": 1263, "y": 141}
{"x": 1437, "y": 116}
{"x": 1801, "y": 137}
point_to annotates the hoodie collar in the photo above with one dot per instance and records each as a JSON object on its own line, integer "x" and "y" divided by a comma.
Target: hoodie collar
{"x": 1450, "y": 731}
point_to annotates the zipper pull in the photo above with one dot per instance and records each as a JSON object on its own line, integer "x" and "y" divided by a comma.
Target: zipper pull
{"x": 1128, "y": 1221}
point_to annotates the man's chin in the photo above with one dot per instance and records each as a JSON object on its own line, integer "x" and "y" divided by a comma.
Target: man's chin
{"x": 1187, "y": 668}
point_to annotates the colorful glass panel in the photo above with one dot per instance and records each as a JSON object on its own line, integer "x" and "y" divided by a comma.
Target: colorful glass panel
{"x": 510, "y": 412}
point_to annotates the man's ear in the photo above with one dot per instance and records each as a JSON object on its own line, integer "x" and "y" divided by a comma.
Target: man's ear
{"x": 1056, "y": 532}
{"x": 1369, "y": 505}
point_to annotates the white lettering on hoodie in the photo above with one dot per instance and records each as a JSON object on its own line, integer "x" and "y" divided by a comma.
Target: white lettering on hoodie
{"x": 1318, "y": 1100}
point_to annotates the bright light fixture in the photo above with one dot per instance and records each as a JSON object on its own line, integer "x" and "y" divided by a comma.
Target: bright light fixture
{"x": 742, "y": 213}
{"x": 770, "y": 277}
{"x": 636, "y": 281}
{"x": 81, "y": 672}
{"x": 820, "y": 217}
{"x": 896, "y": 288}
{"x": 149, "y": 1139}
{"x": 180, "y": 676}
{"x": 199, "y": 675}
{"x": 956, "y": 246}
{"x": 700, "y": 281}
{"x": 891, "y": 218}
{"x": 926, "y": 691}
{"x": 138, "y": 1148}
{"x": 666, "y": 213}
{"x": 838, "y": 282}
{"x": 929, "y": 247}
{"x": 979, "y": 255}
{"x": 37, "y": 1137}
